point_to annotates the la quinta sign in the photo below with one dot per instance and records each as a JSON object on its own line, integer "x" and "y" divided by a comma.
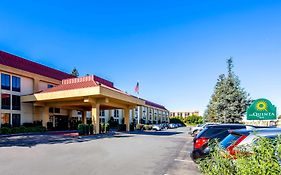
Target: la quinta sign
{"x": 261, "y": 109}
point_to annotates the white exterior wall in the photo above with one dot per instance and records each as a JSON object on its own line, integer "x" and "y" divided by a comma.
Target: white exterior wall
{"x": 42, "y": 86}
{"x": 26, "y": 88}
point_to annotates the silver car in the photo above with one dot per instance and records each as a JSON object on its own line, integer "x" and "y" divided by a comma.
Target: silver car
{"x": 244, "y": 138}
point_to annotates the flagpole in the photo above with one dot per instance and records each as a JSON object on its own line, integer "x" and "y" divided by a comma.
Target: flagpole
{"x": 138, "y": 96}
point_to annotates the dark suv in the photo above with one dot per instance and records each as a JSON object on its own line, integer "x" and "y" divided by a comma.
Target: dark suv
{"x": 219, "y": 132}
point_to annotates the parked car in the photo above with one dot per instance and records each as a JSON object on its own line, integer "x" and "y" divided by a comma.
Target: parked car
{"x": 211, "y": 132}
{"x": 245, "y": 138}
{"x": 157, "y": 127}
{"x": 164, "y": 125}
{"x": 172, "y": 126}
{"x": 195, "y": 130}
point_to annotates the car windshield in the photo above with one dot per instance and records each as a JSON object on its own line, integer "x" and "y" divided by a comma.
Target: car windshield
{"x": 208, "y": 132}
{"x": 230, "y": 139}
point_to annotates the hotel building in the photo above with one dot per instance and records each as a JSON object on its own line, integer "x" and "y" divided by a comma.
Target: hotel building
{"x": 31, "y": 92}
{"x": 183, "y": 113}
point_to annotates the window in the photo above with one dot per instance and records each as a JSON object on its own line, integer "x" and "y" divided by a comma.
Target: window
{"x": 50, "y": 86}
{"x": 5, "y": 118}
{"x": 57, "y": 110}
{"x": 16, "y": 120}
{"x": 116, "y": 113}
{"x": 16, "y": 102}
{"x": 51, "y": 110}
{"x": 15, "y": 84}
{"x": 6, "y": 101}
{"x": 5, "y": 81}
{"x": 102, "y": 120}
{"x": 102, "y": 113}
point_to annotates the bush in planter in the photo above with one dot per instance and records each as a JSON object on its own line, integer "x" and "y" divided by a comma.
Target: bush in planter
{"x": 15, "y": 130}
{"x": 50, "y": 126}
{"x": 81, "y": 129}
{"x": 106, "y": 127}
{"x": 101, "y": 128}
{"x": 22, "y": 129}
{"x": 91, "y": 128}
{"x": 148, "y": 127}
{"x": 132, "y": 127}
{"x": 139, "y": 127}
{"x": 87, "y": 129}
{"x": 121, "y": 127}
{"x": 5, "y": 130}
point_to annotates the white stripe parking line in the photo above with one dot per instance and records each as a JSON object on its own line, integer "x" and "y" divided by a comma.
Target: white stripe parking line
{"x": 180, "y": 160}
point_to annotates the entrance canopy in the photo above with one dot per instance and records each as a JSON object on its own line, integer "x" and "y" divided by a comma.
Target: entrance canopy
{"x": 82, "y": 93}
{"x": 86, "y": 93}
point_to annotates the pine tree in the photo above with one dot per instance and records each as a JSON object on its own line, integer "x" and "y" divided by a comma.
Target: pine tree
{"x": 211, "y": 112}
{"x": 229, "y": 102}
{"x": 75, "y": 72}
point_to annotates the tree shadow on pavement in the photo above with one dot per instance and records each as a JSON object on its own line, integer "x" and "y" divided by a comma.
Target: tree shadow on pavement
{"x": 157, "y": 133}
{"x": 33, "y": 140}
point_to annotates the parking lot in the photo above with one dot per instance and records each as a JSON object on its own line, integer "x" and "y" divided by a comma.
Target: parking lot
{"x": 138, "y": 153}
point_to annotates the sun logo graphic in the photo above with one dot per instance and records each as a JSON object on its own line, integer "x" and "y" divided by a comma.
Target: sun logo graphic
{"x": 261, "y": 106}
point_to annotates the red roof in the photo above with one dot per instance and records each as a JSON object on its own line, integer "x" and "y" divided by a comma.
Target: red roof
{"x": 30, "y": 66}
{"x": 149, "y": 103}
{"x": 81, "y": 82}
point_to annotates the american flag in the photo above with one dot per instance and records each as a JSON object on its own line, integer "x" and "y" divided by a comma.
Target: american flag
{"x": 137, "y": 88}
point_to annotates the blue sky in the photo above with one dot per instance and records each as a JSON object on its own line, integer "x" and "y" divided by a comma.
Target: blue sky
{"x": 175, "y": 49}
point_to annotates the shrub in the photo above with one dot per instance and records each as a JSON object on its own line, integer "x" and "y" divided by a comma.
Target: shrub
{"x": 81, "y": 129}
{"x": 216, "y": 164}
{"x": 264, "y": 159}
{"x": 86, "y": 129}
{"x": 106, "y": 127}
{"x": 121, "y": 127}
{"x": 147, "y": 127}
{"x": 50, "y": 126}
{"x": 132, "y": 127}
{"x": 91, "y": 128}
{"x": 22, "y": 129}
{"x": 112, "y": 123}
{"x": 139, "y": 127}
{"x": 5, "y": 130}
{"x": 15, "y": 130}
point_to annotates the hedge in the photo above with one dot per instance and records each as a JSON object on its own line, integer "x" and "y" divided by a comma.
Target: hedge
{"x": 265, "y": 158}
{"x": 22, "y": 129}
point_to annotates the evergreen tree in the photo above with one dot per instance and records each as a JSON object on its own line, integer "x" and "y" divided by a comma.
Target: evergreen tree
{"x": 75, "y": 72}
{"x": 211, "y": 112}
{"x": 229, "y": 102}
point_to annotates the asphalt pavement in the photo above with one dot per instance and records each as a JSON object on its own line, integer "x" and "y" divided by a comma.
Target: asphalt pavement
{"x": 136, "y": 153}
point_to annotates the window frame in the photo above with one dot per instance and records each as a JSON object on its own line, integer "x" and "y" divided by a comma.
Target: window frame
{"x": 5, "y": 85}
{"x": 17, "y": 83}
{"x": 6, "y": 106}
{"x": 15, "y": 107}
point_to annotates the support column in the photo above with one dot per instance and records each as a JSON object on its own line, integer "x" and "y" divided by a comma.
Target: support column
{"x": 161, "y": 116}
{"x": 84, "y": 119}
{"x": 140, "y": 114}
{"x": 45, "y": 116}
{"x": 127, "y": 118}
{"x": 96, "y": 117}
{"x": 36, "y": 85}
{"x": 133, "y": 114}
